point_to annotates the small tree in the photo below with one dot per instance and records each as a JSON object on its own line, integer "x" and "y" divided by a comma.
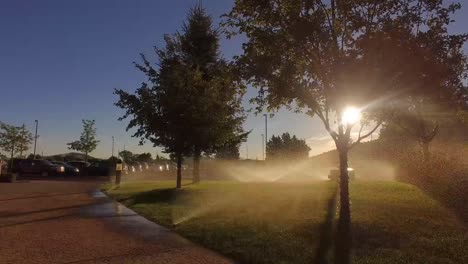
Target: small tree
{"x": 87, "y": 142}
{"x": 286, "y": 147}
{"x": 144, "y": 157}
{"x": 24, "y": 140}
{"x": 230, "y": 149}
{"x": 14, "y": 139}
{"x": 127, "y": 156}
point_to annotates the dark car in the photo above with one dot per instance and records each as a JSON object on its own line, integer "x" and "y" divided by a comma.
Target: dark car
{"x": 79, "y": 164}
{"x": 42, "y": 167}
{"x": 100, "y": 168}
{"x": 69, "y": 169}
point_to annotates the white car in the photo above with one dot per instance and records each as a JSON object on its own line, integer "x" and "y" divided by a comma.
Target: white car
{"x": 335, "y": 174}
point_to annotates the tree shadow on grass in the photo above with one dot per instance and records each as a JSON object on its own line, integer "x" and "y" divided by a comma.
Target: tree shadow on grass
{"x": 326, "y": 231}
{"x": 159, "y": 195}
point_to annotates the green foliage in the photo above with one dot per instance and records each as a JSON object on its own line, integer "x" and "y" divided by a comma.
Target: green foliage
{"x": 230, "y": 151}
{"x": 160, "y": 158}
{"x": 326, "y": 55}
{"x": 285, "y": 147}
{"x": 144, "y": 157}
{"x": 31, "y": 156}
{"x": 215, "y": 94}
{"x": 444, "y": 177}
{"x": 130, "y": 158}
{"x": 192, "y": 100}
{"x": 87, "y": 142}
{"x": 13, "y": 139}
{"x": 127, "y": 156}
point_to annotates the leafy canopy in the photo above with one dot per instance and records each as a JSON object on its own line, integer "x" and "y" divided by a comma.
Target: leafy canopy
{"x": 87, "y": 142}
{"x": 191, "y": 99}
{"x": 285, "y": 147}
{"x": 14, "y": 139}
{"x": 321, "y": 56}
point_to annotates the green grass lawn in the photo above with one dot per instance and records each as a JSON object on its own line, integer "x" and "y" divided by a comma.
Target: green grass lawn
{"x": 286, "y": 222}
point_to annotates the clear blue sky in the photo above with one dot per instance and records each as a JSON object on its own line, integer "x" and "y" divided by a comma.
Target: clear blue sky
{"x": 60, "y": 61}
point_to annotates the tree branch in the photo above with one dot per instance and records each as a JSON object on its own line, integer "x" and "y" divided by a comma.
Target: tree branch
{"x": 327, "y": 125}
{"x": 331, "y": 21}
{"x": 433, "y": 133}
{"x": 360, "y": 138}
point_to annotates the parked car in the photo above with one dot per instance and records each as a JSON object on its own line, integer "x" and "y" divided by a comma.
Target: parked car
{"x": 42, "y": 167}
{"x": 79, "y": 164}
{"x": 100, "y": 168}
{"x": 335, "y": 174}
{"x": 15, "y": 165}
{"x": 69, "y": 169}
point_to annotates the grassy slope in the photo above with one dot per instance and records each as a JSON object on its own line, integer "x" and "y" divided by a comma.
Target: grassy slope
{"x": 283, "y": 223}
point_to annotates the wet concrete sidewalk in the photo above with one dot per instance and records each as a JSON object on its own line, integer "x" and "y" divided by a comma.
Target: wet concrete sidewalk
{"x": 69, "y": 222}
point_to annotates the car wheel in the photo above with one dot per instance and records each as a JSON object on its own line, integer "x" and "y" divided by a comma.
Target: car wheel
{"x": 44, "y": 174}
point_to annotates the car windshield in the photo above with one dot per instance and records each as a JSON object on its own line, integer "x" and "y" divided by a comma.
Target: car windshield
{"x": 46, "y": 162}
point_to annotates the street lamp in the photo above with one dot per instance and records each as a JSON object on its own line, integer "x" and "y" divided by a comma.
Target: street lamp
{"x": 112, "y": 146}
{"x": 263, "y": 146}
{"x": 266, "y": 132}
{"x": 35, "y": 138}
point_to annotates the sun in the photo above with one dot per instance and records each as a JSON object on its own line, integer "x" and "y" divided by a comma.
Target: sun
{"x": 351, "y": 115}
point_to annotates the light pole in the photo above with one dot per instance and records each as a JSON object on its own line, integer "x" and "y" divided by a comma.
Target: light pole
{"x": 35, "y": 138}
{"x": 21, "y": 150}
{"x": 247, "y": 149}
{"x": 266, "y": 131}
{"x": 112, "y": 146}
{"x": 263, "y": 146}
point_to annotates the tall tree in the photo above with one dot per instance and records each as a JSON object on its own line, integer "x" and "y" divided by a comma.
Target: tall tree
{"x": 160, "y": 109}
{"x": 14, "y": 139}
{"x": 217, "y": 114}
{"x": 323, "y": 56}
{"x": 87, "y": 142}
{"x": 192, "y": 103}
{"x": 285, "y": 147}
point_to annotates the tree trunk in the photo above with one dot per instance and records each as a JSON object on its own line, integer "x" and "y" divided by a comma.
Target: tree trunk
{"x": 196, "y": 166}
{"x": 179, "y": 171}
{"x": 11, "y": 160}
{"x": 426, "y": 151}
{"x": 343, "y": 241}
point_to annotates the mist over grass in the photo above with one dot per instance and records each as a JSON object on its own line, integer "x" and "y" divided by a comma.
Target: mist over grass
{"x": 287, "y": 222}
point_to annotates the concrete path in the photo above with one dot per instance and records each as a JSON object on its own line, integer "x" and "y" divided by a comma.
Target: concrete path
{"x": 68, "y": 222}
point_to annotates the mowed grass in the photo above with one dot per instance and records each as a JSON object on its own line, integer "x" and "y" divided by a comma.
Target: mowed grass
{"x": 286, "y": 222}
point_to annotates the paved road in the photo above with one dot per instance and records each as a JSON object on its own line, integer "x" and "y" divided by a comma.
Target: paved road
{"x": 66, "y": 222}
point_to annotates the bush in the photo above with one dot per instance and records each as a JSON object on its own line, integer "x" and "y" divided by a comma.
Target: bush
{"x": 444, "y": 177}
